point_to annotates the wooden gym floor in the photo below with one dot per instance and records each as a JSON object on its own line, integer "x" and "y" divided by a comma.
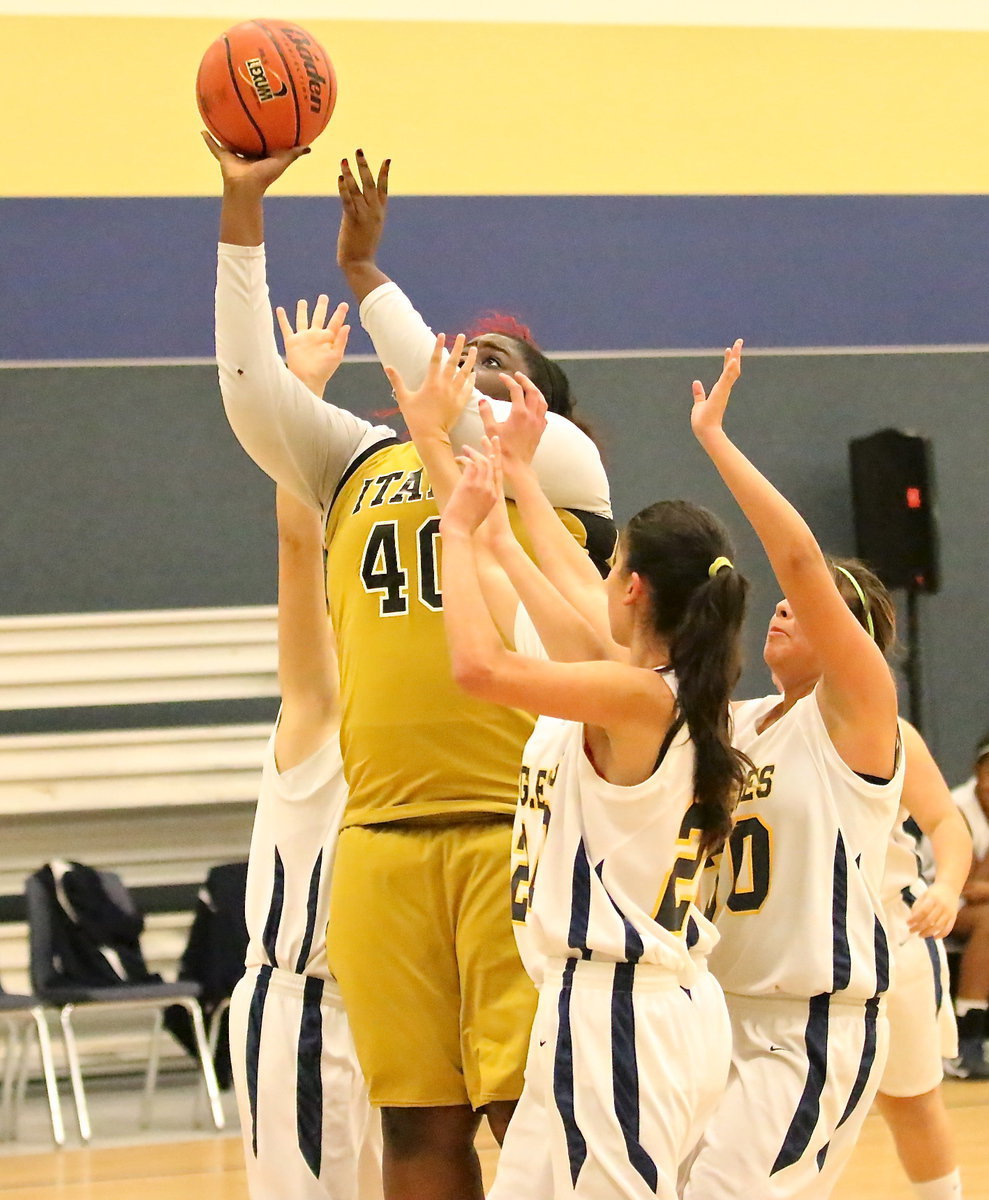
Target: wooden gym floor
{"x": 213, "y": 1166}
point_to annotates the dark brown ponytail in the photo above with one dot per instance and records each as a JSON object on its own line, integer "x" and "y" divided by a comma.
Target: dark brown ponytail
{"x": 673, "y": 546}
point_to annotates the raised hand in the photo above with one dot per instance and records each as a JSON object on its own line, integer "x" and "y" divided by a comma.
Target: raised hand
{"x": 519, "y": 434}
{"x": 434, "y": 408}
{"x": 477, "y": 490}
{"x": 365, "y": 204}
{"x": 707, "y": 414}
{"x": 314, "y": 349}
{"x": 253, "y": 173}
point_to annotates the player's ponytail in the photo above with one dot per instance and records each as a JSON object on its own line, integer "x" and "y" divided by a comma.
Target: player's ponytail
{"x": 698, "y": 605}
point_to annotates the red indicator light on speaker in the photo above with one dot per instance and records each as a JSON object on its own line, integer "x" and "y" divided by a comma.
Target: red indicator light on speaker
{"x": 913, "y": 498}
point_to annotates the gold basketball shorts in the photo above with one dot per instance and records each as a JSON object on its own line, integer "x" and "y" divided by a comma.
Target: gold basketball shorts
{"x": 420, "y": 940}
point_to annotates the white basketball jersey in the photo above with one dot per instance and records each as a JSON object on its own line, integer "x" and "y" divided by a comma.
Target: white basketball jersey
{"x": 600, "y": 871}
{"x": 292, "y": 851}
{"x": 903, "y": 863}
{"x": 903, "y": 882}
{"x": 798, "y": 900}
{"x": 903, "y": 858}
{"x": 964, "y": 796}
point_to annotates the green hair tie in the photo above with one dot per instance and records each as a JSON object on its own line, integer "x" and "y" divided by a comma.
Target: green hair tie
{"x": 869, "y": 624}
{"x": 718, "y": 563}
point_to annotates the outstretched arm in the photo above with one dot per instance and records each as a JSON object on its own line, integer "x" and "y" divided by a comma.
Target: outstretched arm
{"x": 567, "y": 463}
{"x": 613, "y": 696}
{"x": 299, "y": 441}
{"x": 364, "y": 206}
{"x": 857, "y": 693}
{"x": 245, "y": 181}
{"x": 314, "y": 347}
{"x": 928, "y": 800}
{"x": 307, "y": 667}
{"x": 432, "y": 408}
{"x": 564, "y": 633}
{"x": 566, "y": 566}
{"x": 505, "y": 572}
{"x": 429, "y": 411}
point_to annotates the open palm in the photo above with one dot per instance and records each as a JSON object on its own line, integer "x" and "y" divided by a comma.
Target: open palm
{"x": 708, "y": 412}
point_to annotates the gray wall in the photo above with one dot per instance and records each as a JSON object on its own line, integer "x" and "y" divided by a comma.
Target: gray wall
{"x": 122, "y": 487}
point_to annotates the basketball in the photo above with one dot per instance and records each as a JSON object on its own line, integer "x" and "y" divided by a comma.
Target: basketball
{"x": 264, "y": 86}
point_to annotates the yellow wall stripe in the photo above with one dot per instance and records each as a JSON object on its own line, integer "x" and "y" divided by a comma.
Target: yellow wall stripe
{"x": 108, "y": 109}
{"x": 784, "y": 14}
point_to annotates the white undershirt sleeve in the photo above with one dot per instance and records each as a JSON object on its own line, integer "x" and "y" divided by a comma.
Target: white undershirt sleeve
{"x": 294, "y": 436}
{"x": 401, "y": 338}
{"x": 567, "y": 462}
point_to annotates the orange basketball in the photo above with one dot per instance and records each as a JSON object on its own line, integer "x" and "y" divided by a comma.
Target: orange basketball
{"x": 265, "y": 85}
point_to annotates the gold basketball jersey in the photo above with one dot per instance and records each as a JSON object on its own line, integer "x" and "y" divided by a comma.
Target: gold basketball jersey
{"x": 414, "y": 745}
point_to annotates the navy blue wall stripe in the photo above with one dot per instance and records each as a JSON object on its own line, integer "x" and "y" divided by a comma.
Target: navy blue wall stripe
{"x": 153, "y": 898}
{"x": 312, "y": 904}
{"x": 808, "y": 1109}
{"x": 841, "y": 954}
{"x": 563, "y": 1077}
{"x": 625, "y": 1072}
{"x": 162, "y": 715}
{"x": 255, "y": 1017}
{"x": 308, "y": 1078}
{"x": 587, "y": 272}
{"x": 270, "y": 935}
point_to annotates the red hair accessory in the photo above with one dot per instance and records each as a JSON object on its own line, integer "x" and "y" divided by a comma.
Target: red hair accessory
{"x": 503, "y": 323}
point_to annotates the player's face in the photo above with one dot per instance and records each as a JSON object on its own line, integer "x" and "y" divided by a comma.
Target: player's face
{"x": 786, "y": 652}
{"x": 495, "y": 353}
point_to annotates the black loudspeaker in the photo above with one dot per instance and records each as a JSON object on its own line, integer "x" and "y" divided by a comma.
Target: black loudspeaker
{"x": 893, "y": 500}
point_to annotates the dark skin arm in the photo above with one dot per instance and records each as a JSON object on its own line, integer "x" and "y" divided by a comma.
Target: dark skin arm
{"x": 364, "y": 202}
{"x": 245, "y": 181}
{"x": 976, "y": 889}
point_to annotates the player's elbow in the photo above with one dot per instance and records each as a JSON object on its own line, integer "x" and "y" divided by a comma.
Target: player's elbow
{"x": 302, "y": 537}
{"x": 474, "y": 674}
{"x": 240, "y": 404}
{"x": 803, "y": 553}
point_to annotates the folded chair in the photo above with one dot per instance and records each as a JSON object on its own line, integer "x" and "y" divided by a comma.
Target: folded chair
{"x": 24, "y": 1015}
{"x": 61, "y": 939}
